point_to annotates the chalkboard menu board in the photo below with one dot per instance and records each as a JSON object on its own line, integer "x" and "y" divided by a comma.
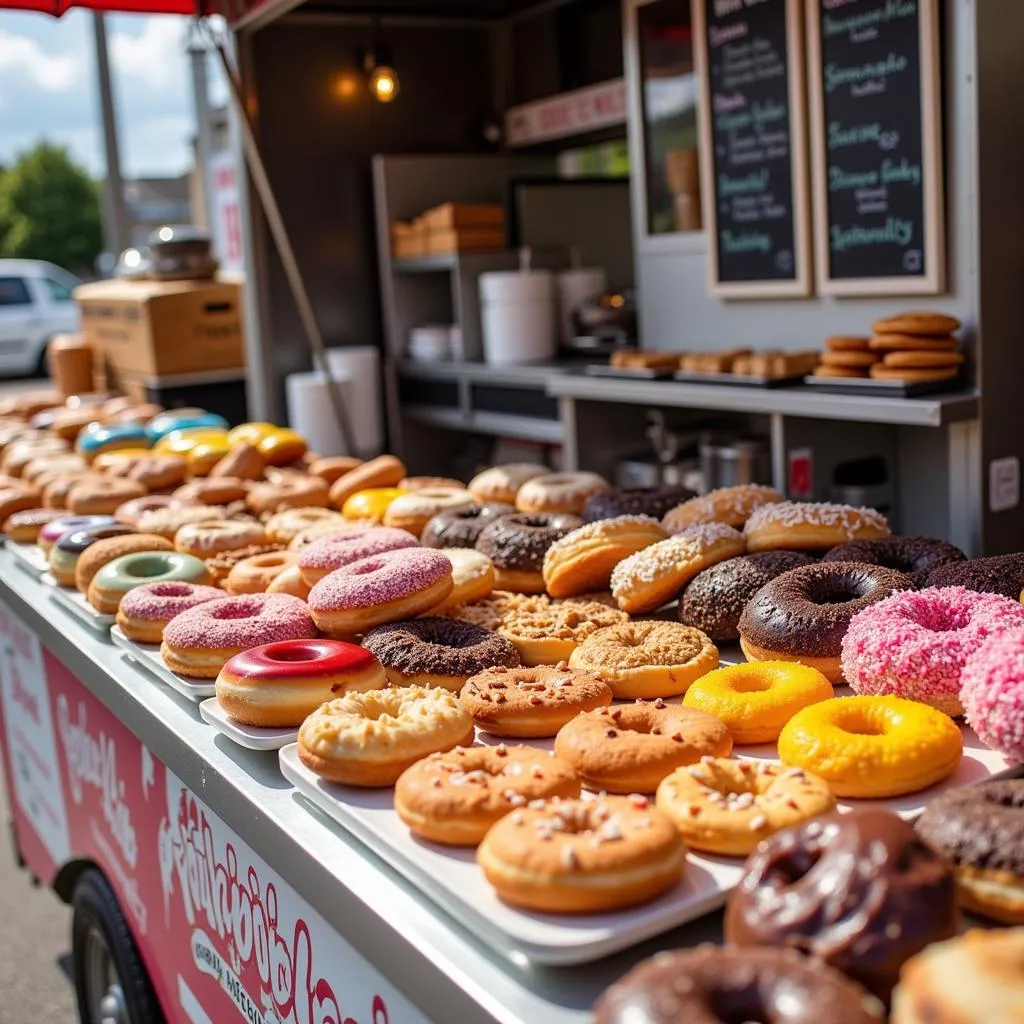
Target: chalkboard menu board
{"x": 753, "y": 146}
{"x": 876, "y": 125}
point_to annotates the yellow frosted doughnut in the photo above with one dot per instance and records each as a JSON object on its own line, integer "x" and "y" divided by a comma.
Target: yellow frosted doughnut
{"x": 181, "y": 442}
{"x": 371, "y": 503}
{"x": 251, "y": 433}
{"x": 755, "y": 701}
{"x": 872, "y": 746}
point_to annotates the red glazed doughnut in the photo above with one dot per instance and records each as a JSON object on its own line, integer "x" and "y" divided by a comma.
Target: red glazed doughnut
{"x": 279, "y": 685}
{"x": 144, "y": 612}
{"x": 328, "y": 553}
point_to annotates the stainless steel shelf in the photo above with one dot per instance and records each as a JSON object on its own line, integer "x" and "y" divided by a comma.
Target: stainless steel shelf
{"x": 527, "y": 375}
{"x": 425, "y": 264}
{"x": 498, "y": 424}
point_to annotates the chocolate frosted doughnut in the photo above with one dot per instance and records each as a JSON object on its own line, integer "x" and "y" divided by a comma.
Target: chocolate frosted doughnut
{"x": 710, "y": 985}
{"x": 447, "y": 651}
{"x": 716, "y": 597}
{"x": 634, "y": 501}
{"x": 860, "y": 891}
{"x": 516, "y": 544}
{"x": 914, "y": 556}
{"x": 1001, "y": 574}
{"x": 460, "y": 527}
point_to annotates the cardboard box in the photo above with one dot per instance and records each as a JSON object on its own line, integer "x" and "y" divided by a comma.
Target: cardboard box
{"x": 157, "y": 328}
{"x": 467, "y": 240}
{"x": 464, "y": 215}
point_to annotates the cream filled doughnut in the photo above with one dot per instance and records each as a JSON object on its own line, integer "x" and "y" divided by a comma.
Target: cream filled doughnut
{"x": 145, "y": 611}
{"x": 333, "y": 551}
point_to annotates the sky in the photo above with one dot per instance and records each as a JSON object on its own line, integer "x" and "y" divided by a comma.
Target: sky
{"x": 48, "y": 89}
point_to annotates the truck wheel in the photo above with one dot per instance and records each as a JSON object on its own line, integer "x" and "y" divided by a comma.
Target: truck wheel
{"x": 111, "y": 982}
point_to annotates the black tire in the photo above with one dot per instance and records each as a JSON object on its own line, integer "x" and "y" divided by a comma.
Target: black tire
{"x": 95, "y": 907}
{"x": 42, "y": 370}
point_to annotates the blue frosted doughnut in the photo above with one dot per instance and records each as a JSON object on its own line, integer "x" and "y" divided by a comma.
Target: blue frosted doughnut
{"x": 108, "y": 437}
{"x": 183, "y": 419}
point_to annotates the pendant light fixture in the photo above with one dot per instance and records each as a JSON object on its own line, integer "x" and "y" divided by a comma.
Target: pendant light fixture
{"x": 381, "y": 77}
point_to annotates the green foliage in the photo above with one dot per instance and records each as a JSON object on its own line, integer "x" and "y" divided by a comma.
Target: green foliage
{"x": 50, "y": 210}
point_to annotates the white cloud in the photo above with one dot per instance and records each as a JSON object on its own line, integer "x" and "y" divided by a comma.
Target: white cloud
{"x": 26, "y": 58}
{"x": 155, "y": 57}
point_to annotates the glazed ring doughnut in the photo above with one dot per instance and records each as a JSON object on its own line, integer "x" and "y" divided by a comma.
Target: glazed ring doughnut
{"x": 583, "y": 856}
{"x": 654, "y": 576}
{"x": 214, "y": 536}
{"x": 582, "y": 561}
{"x": 413, "y": 510}
{"x": 213, "y": 490}
{"x": 811, "y": 526}
{"x": 455, "y": 798}
{"x": 283, "y": 527}
{"x": 101, "y": 497}
{"x": 755, "y": 701}
{"x": 333, "y": 551}
{"x": 730, "y": 505}
{"x": 630, "y": 748}
{"x": 371, "y": 504}
{"x": 472, "y": 578}
{"x": 144, "y": 611}
{"x": 559, "y": 492}
{"x": 646, "y": 659}
{"x": 116, "y": 578}
{"x": 369, "y": 739}
{"x": 294, "y": 492}
{"x": 872, "y": 747}
{"x": 501, "y": 484}
{"x": 251, "y": 432}
{"x": 530, "y": 703}
{"x": 727, "y": 807}
{"x": 254, "y": 575}
{"x": 384, "y": 471}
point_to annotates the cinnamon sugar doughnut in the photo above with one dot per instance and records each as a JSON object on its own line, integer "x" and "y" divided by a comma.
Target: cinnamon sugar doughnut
{"x": 811, "y": 526}
{"x": 559, "y": 492}
{"x": 502, "y": 483}
{"x": 333, "y": 551}
{"x": 144, "y": 611}
{"x": 255, "y": 574}
{"x": 730, "y": 505}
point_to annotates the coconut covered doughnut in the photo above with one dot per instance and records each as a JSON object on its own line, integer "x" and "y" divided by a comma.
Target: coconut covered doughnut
{"x": 811, "y": 526}
{"x": 517, "y": 544}
{"x": 454, "y": 798}
{"x": 369, "y": 739}
{"x": 412, "y": 511}
{"x": 730, "y": 505}
{"x": 916, "y": 557}
{"x": 437, "y": 652}
{"x": 334, "y": 550}
{"x": 502, "y": 483}
{"x": 559, "y": 492}
{"x": 461, "y": 527}
{"x": 992, "y": 692}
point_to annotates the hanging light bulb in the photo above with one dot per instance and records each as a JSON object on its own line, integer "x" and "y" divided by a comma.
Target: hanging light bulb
{"x": 383, "y": 82}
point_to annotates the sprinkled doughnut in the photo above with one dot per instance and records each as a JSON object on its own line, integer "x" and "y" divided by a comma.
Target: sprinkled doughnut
{"x": 144, "y": 611}
{"x": 123, "y": 574}
{"x": 53, "y": 531}
{"x": 254, "y": 575}
{"x": 517, "y": 544}
{"x": 916, "y": 644}
{"x": 558, "y": 492}
{"x": 730, "y": 505}
{"x": 727, "y": 807}
{"x": 992, "y": 691}
{"x": 412, "y": 511}
{"x": 284, "y": 526}
{"x": 64, "y": 555}
{"x": 333, "y": 551}
{"x": 472, "y": 578}
{"x": 1000, "y": 574}
{"x": 634, "y": 501}
{"x": 107, "y": 548}
{"x": 101, "y": 497}
{"x": 24, "y": 527}
{"x": 435, "y": 651}
{"x": 811, "y": 526}
{"x": 502, "y": 483}
{"x": 915, "y": 557}
{"x": 461, "y": 527}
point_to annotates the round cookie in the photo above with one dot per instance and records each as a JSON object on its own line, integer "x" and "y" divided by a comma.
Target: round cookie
{"x": 911, "y": 374}
{"x": 927, "y": 360}
{"x": 916, "y": 323}
{"x": 850, "y": 359}
{"x": 844, "y": 343}
{"x": 912, "y": 343}
{"x": 838, "y": 371}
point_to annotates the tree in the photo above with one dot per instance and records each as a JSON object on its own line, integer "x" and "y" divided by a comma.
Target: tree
{"x": 50, "y": 210}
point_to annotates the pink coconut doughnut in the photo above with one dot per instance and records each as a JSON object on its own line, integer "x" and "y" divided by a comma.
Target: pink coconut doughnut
{"x": 145, "y": 611}
{"x": 395, "y": 585}
{"x": 337, "y": 549}
{"x": 992, "y": 691}
{"x": 915, "y": 644}
{"x": 198, "y": 642}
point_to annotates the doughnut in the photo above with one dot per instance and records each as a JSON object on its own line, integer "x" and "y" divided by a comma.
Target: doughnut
{"x": 872, "y": 747}
{"x": 472, "y": 578}
{"x": 730, "y": 505}
{"x": 131, "y": 511}
{"x": 295, "y": 492}
{"x": 55, "y": 490}
{"x": 630, "y": 748}
{"x": 144, "y": 611}
{"x": 811, "y": 526}
{"x": 369, "y": 739}
{"x": 254, "y": 575}
{"x": 582, "y": 856}
{"x": 558, "y": 492}
{"x": 283, "y": 527}
{"x": 251, "y": 432}
{"x": 493, "y": 611}
{"x": 413, "y": 510}
{"x": 928, "y": 324}
{"x": 858, "y": 891}
{"x": 709, "y": 984}
{"x": 915, "y": 557}
{"x": 383, "y": 471}
{"x": 979, "y": 830}
{"x": 243, "y": 462}
{"x": 289, "y": 581}
{"x": 502, "y": 483}
{"x": 214, "y": 536}
{"x": 282, "y": 446}
{"x": 136, "y": 413}
{"x": 424, "y": 483}
{"x": 727, "y": 807}
{"x": 583, "y": 560}
{"x": 279, "y": 684}
{"x": 434, "y": 652}
{"x": 756, "y": 701}
{"x": 184, "y": 419}
{"x": 117, "y": 463}
{"x": 634, "y": 501}
{"x": 803, "y": 614}
{"x": 371, "y": 505}
{"x": 18, "y": 455}
{"x": 107, "y": 437}
{"x": 329, "y": 529}
{"x": 547, "y": 632}
{"x": 168, "y": 521}
{"x": 531, "y": 702}
{"x": 102, "y": 497}
{"x": 454, "y": 798}
{"x": 23, "y": 527}
{"x": 220, "y": 566}
{"x": 1000, "y": 574}
{"x": 714, "y": 599}
{"x": 214, "y": 490}
{"x": 154, "y": 472}
{"x": 333, "y": 551}
{"x": 53, "y": 531}
{"x": 69, "y": 423}
{"x": 199, "y": 641}
{"x": 106, "y": 549}
{"x": 976, "y": 978}
{"x": 64, "y": 555}
{"x": 116, "y": 578}
{"x": 56, "y": 462}
{"x": 15, "y": 499}
{"x": 182, "y": 440}
{"x": 653, "y": 577}
{"x": 330, "y": 469}
{"x": 992, "y": 691}
{"x": 915, "y": 644}
{"x": 389, "y": 587}
{"x": 517, "y": 544}
{"x": 646, "y": 659}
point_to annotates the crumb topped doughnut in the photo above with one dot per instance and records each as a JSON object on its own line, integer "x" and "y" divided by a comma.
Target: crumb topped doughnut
{"x": 547, "y": 632}
{"x": 811, "y": 526}
{"x": 145, "y": 611}
{"x": 517, "y": 544}
{"x": 916, "y": 557}
{"x": 559, "y": 492}
{"x": 730, "y": 505}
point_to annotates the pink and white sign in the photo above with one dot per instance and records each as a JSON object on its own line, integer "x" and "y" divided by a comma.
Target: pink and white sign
{"x": 225, "y": 211}
{"x": 571, "y": 113}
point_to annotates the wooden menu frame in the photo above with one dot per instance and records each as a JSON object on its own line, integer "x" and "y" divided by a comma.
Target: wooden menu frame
{"x": 802, "y": 284}
{"x": 933, "y": 281}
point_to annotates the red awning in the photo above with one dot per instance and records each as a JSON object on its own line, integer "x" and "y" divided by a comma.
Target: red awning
{"x": 58, "y": 7}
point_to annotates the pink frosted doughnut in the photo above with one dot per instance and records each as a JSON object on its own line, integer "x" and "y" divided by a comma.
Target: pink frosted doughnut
{"x": 992, "y": 691}
{"x": 144, "y": 612}
{"x": 395, "y": 585}
{"x": 915, "y": 644}
{"x": 338, "y": 549}
{"x": 198, "y": 642}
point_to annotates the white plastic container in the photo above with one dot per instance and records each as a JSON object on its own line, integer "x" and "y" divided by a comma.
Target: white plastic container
{"x": 518, "y": 313}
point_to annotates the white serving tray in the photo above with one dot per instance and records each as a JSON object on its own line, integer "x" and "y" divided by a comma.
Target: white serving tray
{"x": 29, "y": 557}
{"x": 251, "y": 736}
{"x": 77, "y": 603}
{"x": 450, "y": 877}
{"x": 148, "y": 657}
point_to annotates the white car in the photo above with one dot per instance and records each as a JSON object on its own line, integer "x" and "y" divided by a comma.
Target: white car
{"x": 35, "y": 304}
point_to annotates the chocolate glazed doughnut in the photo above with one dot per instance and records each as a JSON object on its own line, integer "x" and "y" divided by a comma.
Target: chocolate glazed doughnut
{"x": 634, "y": 501}
{"x": 914, "y": 556}
{"x": 460, "y": 527}
{"x": 858, "y": 890}
{"x": 710, "y": 985}
{"x": 517, "y": 544}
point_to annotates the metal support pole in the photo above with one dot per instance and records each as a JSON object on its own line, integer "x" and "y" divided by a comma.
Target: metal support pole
{"x": 118, "y": 229}
{"x": 204, "y": 131}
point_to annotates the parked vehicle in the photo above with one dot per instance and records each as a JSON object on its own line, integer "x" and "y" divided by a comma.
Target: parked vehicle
{"x": 35, "y": 304}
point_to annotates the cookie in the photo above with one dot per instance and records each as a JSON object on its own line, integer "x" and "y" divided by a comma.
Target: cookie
{"x": 840, "y": 371}
{"x": 923, "y": 360}
{"x": 907, "y": 373}
{"x": 630, "y": 360}
{"x": 916, "y": 323}
{"x": 912, "y": 342}
{"x": 850, "y": 360}
{"x": 843, "y": 343}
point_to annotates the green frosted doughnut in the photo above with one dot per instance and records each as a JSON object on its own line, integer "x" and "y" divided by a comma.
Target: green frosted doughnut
{"x": 128, "y": 571}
